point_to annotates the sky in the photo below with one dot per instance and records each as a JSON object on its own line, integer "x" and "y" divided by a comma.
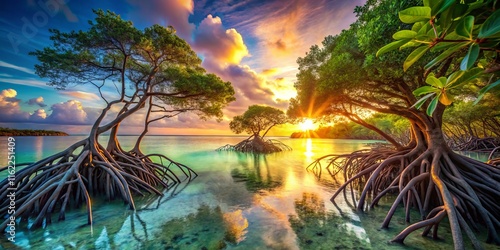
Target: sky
{"x": 254, "y": 44}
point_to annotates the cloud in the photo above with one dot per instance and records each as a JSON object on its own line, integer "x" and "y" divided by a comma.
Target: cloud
{"x": 18, "y": 68}
{"x": 285, "y": 30}
{"x": 64, "y": 113}
{"x": 250, "y": 87}
{"x": 9, "y": 107}
{"x": 70, "y": 112}
{"x": 219, "y": 45}
{"x": 269, "y": 72}
{"x": 37, "y": 101}
{"x": 81, "y": 95}
{"x": 27, "y": 82}
{"x": 279, "y": 44}
{"x": 167, "y": 12}
{"x": 38, "y": 116}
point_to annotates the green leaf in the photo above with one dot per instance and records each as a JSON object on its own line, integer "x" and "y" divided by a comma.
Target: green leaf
{"x": 445, "y": 55}
{"x": 425, "y": 28}
{"x": 414, "y": 56}
{"x": 410, "y": 44}
{"x": 391, "y": 46}
{"x": 442, "y": 7}
{"x": 422, "y": 100}
{"x": 454, "y": 77}
{"x": 484, "y": 90}
{"x": 415, "y": 14}
{"x": 433, "y": 81}
{"x": 470, "y": 58}
{"x": 425, "y": 90}
{"x": 468, "y": 76}
{"x": 404, "y": 34}
{"x": 491, "y": 26}
{"x": 465, "y": 26}
{"x": 432, "y": 106}
{"x": 417, "y": 26}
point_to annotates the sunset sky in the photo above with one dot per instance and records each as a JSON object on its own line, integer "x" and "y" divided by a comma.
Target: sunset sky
{"x": 253, "y": 44}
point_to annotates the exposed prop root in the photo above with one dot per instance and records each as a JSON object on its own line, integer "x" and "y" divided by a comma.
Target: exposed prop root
{"x": 494, "y": 157}
{"x": 85, "y": 169}
{"x": 437, "y": 182}
{"x": 255, "y": 144}
{"x": 476, "y": 144}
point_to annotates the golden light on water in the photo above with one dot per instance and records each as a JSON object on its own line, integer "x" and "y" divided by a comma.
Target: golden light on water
{"x": 308, "y": 151}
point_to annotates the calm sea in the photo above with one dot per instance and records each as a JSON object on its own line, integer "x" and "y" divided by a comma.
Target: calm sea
{"x": 239, "y": 201}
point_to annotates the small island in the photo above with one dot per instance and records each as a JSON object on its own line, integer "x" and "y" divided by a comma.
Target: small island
{"x": 30, "y": 132}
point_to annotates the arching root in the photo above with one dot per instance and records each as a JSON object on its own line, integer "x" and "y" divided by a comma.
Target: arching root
{"x": 436, "y": 182}
{"x": 85, "y": 169}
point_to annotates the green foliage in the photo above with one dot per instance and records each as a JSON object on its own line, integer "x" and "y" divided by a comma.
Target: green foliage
{"x": 256, "y": 119}
{"x": 448, "y": 27}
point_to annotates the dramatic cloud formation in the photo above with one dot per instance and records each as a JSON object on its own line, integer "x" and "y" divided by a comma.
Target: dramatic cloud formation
{"x": 65, "y": 113}
{"x": 217, "y": 44}
{"x": 10, "y": 110}
{"x": 286, "y": 29}
{"x": 167, "y": 12}
{"x": 70, "y": 112}
{"x": 37, "y": 101}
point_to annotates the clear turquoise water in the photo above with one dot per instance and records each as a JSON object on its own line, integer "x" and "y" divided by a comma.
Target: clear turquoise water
{"x": 239, "y": 201}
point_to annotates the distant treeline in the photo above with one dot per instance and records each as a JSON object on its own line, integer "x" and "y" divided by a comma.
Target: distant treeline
{"x": 29, "y": 132}
{"x": 390, "y": 124}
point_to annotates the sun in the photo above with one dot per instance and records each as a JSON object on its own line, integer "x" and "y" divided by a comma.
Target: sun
{"x": 306, "y": 125}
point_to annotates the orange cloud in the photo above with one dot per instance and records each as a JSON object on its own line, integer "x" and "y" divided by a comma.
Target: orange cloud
{"x": 81, "y": 95}
{"x": 217, "y": 44}
{"x": 287, "y": 29}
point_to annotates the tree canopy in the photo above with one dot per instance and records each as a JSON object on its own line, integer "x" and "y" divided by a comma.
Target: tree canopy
{"x": 464, "y": 35}
{"x": 257, "y": 119}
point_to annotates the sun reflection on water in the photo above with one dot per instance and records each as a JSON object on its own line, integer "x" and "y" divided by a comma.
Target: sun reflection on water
{"x": 309, "y": 150}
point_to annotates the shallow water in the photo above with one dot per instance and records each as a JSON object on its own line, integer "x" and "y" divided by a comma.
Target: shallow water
{"x": 239, "y": 201}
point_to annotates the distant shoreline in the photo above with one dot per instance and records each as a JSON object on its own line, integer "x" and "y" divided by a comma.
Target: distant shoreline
{"x": 30, "y": 132}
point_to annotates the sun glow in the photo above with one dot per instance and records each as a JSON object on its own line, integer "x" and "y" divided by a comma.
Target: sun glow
{"x": 306, "y": 125}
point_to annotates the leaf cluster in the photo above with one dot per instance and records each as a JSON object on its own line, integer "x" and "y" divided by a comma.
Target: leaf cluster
{"x": 466, "y": 33}
{"x": 256, "y": 119}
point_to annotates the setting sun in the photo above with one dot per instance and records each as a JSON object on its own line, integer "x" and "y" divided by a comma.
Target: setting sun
{"x": 306, "y": 125}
